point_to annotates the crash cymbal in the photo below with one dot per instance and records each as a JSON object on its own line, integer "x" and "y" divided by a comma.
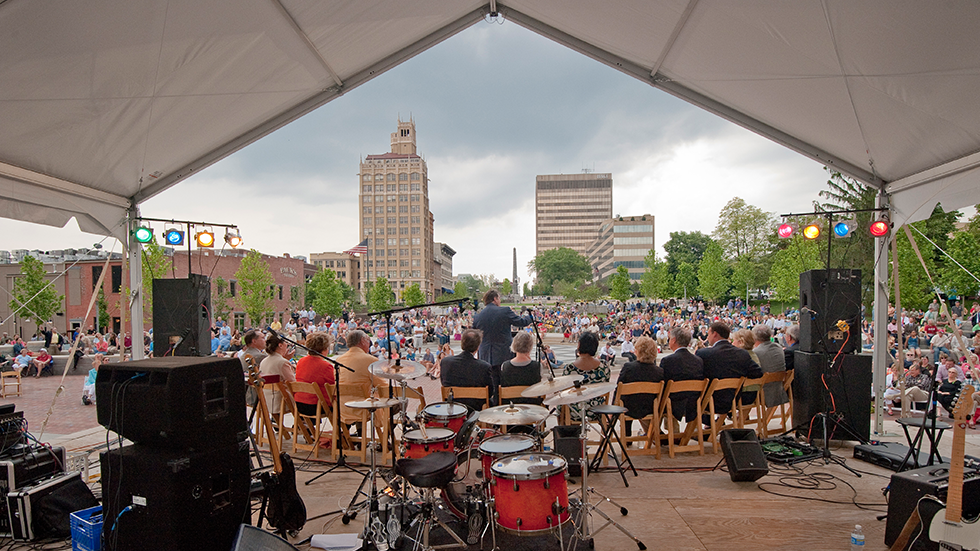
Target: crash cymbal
{"x": 514, "y": 414}
{"x": 581, "y": 394}
{"x": 550, "y": 387}
{"x": 399, "y": 370}
{"x": 372, "y": 403}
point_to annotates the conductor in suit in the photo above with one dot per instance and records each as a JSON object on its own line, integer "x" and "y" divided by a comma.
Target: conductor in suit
{"x": 682, "y": 365}
{"x": 723, "y": 360}
{"x": 495, "y": 322}
{"x": 464, "y": 369}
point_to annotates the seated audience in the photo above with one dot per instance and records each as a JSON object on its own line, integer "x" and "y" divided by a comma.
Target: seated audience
{"x": 465, "y": 369}
{"x": 643, "y": 369}
{"x": 521, "y": 370}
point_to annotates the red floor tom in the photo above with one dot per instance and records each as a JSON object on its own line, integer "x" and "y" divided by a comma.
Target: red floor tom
{"x": 531, "y": 495}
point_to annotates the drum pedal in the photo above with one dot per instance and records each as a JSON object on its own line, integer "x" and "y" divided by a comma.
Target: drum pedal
{"x": 475, "y": 525}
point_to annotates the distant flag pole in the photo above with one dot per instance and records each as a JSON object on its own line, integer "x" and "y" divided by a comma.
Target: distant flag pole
{"x": 361, "y": 248}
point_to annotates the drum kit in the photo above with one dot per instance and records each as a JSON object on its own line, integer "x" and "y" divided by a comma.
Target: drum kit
{"x": 504, "y": 482}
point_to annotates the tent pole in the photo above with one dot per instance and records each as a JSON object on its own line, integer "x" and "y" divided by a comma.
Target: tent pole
{"x": 135, "y": 282}
{"x": 880, "y": 309}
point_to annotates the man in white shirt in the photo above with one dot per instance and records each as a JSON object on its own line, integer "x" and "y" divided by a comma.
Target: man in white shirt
{"x": 628, "y": 351}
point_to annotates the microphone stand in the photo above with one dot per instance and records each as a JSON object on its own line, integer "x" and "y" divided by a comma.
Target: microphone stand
{"x": 540, "y": 346}
{"x": 342, "y": 458}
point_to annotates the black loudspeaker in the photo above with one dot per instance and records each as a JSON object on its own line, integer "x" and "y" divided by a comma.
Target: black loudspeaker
{"x": 181, "y": 321}
{"x": 176, "y": 403}
{"x": 909, "y": 486}
{"x": 843, "y": 388}
{"x": 180, "y": 500}
{"x": 828, "y": 297}
{"x": 569, "y": 445}
{"x": 743, "y": 455}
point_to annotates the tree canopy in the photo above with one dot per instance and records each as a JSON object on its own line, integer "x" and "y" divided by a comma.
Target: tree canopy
{"x": 619, "y": 284}
{"x": 412, "y": 295}
{"x": 655, "y": 282}
{"x": 255, "y": 284}
{"x": 561, "y": 264}
{"x": 685, "y": 247}
{"x": 328, "y": 294}
{"x": 713, "y": 280}
{"x": 33, "y": 298}
{"x": 381, "y": 297}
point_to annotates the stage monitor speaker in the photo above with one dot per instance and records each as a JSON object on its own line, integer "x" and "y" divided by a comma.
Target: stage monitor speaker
{"x": 743, "y": 455}
{"x": 828, "y": 297}
{"x": 194, "y": 403}
{"x": 181, "y": 500}
{"x": 909, "y": 486}
{"x": 844, "y": 389}
{"x": 569, "y": 445}
{"x": 181, "y": 320}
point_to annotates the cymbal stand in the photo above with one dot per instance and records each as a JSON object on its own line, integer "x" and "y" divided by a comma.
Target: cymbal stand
{"x": 375, "y": 531}
{"x": 583, "y": 521}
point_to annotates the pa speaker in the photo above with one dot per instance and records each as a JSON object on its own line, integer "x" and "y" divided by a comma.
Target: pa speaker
{"x": 828, "y": 297}
{"x": 842, "y": 389}
{"x": 743, "y": 455}
{"x": 194, "y": 403}
{"x": 180, "y": 500}
{"x": 181, "y": 324}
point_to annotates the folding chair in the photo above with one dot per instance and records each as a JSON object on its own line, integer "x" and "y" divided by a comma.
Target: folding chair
{"x": 350, "y": 393}
{"x": 784, "y": 411}
{"x": 473, "y": 392}
{"x": 310, "y": 427}
{"x": 694, "y": 430}
{"x": 653, "y": 436}
{"x": 718, "y": 420}
{"x": 10, "y": 380}
{"x": 757, "y": 405}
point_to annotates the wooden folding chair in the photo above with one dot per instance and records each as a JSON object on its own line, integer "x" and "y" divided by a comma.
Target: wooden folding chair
{"x": 263, "y": 426}
{"x": 511, "y": 393}
{"x": 694, "y": 430}
{"x": 653, "y": 436}
{"x": 783, "y": 411}
{"x": 474, "y": 392}
{"x": 310, "y": 427}
{"x": 354, "y": 392}
{"x": 744, "y": 410}
{"x": 719, "y": 420}
{"x": 10, "y": 380}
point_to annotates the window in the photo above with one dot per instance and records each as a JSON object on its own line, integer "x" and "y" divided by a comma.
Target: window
{"x": 379, "y": 177}
{"x": 415, "y": 176}
{"x": 403, "y": 198}
{"x": 416, "y": 197}
{"x": 391, "y": 187}
{"x": 404, "y": 273}
{"x": 240, "y": 321}
{"x": 391, "y": 219}
{"x": 116, "y": 275}
{"x": 342, "y": 263}
{"x": 368, "y": 231}
{"x": 391, "y": 209}
{"x": 403, "y": 220}
{"x": 392, "y": 198}
{"x": 416, "y": 241}
{"x": 280, "y": 292}
{"x": 379, "y": 252}
{"x": 392, "y": 231}
{"x": 370, "y": 263}
{"x": 402, "y": 187}
{"x": 391, "y": 252}
{"x": 416, "y": 208}
{"x": 391, "y": 177}
{"x": 403, "y": 252}
{"x": 392, "y": 274}
{"x": 369, "y": 274}
{"x": 416, "y": 252}
{"x": 416, "y": 219}
{"x": 416, "y": 230}
{"x": 403, "y": 177}
{"x": 403, "y": 208}
{"x": 96, "y": 274}
{"x": 366, "y": 210}
{"x": 366, "y": 178}
{"x": 368, "y": 222}
{"x": 404, "y": 231}
{"x": 391, "y": 240}
{"x": 367, "y": 198}
{"x": 392, "y": 263}
{"x": 379, "y": 210}
{"x": 379, "y": 241}
{"x": 416, "y": 273}
{"x": 416, "y": 263}
{"x": 403, "y": 241}
{"x": 416, "y": 187}
{"x": 233, "y": 288}
{"x": 403, "y": 263}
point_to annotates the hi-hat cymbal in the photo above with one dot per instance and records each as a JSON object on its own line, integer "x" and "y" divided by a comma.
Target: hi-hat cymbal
{"x": 514, "y": 414}
{"x": 399, "y": 370}
{"x": 550, "y": 387}
{"x": 372, "y": 403}
{"x": 581, "y": 394}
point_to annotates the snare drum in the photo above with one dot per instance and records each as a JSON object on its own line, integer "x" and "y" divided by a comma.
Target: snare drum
{"x": 435, "y": 440}
{"x": 498, "y": 447}
{"x": 531, "y": 495}
{"x": 445, "y": 415}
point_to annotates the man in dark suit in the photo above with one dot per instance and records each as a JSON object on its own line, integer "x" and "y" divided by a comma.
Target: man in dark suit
{"x": 495, "y": 322}
{"x": 464, "y": 369}
{"x": 723, "y": 360}
{"x": 682, "y": 365}
{"x": 792, "y": 345}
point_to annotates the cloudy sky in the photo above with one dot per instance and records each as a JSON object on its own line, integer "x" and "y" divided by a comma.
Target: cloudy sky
{"x": 494, "y": 106}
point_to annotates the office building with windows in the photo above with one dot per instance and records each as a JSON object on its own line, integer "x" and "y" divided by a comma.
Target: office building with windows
{"x": 622, "y": 241}
{"x": 569, "y": 208}
{"x": 395, "y": 218}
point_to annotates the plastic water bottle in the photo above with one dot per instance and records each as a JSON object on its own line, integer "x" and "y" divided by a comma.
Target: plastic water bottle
{"x": 857, "y": 538}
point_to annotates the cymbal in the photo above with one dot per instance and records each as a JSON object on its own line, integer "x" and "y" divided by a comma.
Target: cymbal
{"x": 372, "y": 403}
{"x": 399, "y": 370}
{"x": 514, "y": 414}
{"x": 581, "y": 394}
{"x": 550, "y": 387}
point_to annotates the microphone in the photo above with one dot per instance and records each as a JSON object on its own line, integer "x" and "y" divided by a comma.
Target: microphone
{"x": 271, "y": 330}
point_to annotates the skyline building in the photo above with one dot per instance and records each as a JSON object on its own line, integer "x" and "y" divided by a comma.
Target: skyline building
{"x": 621, "y": 241}
{"x": 395, "y": 218}
{"x": 569, "y": 209}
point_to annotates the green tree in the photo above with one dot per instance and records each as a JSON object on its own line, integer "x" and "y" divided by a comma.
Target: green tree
{"x": 219, "y": 299}
{"x": 685, "y": 247}
{"x": 565, "y": 289}
{"x": 474, "y": 285}
{"x": 655, "y": 281}
{"x": 965, "y": 248}
{"x": 591, "y": 291}
{"x": 381, "y": 296}
{"x": 619, "y": 284}
{"x": 744, "y": 230}
{"x": 744, "y": 276}
{"x": 102, "y": 311}
{"x": 527, "y": 289}
{"x": 461, "y": 290}
{"x": 713, "y": 280}
{"x": 559, "y": 264}
{"x": 329, "y": 294}
{"x": 255, "y": 284}
{"x": 33, "y": 298}
{"x": 412, "y": 296}
{"x": 800, "y": 255}
{"x": 686, "y": 281}
{"x": 506, "y": 287}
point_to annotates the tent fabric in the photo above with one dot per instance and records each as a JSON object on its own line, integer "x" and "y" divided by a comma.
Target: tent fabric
{"x": 126, "y": 98}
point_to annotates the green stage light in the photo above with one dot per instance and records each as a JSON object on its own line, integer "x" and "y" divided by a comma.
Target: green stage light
{"x": 143, "y": 234}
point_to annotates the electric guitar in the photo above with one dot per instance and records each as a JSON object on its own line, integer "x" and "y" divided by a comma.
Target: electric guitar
{"x": 948, "y": 528}
{"x": 286, "y": 510}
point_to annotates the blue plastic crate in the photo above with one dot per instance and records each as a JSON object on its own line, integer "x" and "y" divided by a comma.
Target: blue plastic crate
{"x": 86, "y": 529}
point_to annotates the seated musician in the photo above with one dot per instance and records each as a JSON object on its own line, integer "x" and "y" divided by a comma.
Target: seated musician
{"x": 521, "y": 370}
{"x": 465, "y": 369}
{"x": 644, "y": 369}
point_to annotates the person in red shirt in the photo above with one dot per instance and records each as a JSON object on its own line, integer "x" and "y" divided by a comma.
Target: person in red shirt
{"x": 314, "y": 369}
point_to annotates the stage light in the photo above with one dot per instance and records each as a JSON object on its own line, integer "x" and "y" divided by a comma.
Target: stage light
{"x": 786, "y": 230}
{"x": 174, "y": 237}
{"x": 844, "y": 228}
{"x": 143, "y": 234}
{"x": 880, "y": 227}
{"x": 205, "y": 239}
{"x": 812, "y": 231}
{"x": 233, "y": 239}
